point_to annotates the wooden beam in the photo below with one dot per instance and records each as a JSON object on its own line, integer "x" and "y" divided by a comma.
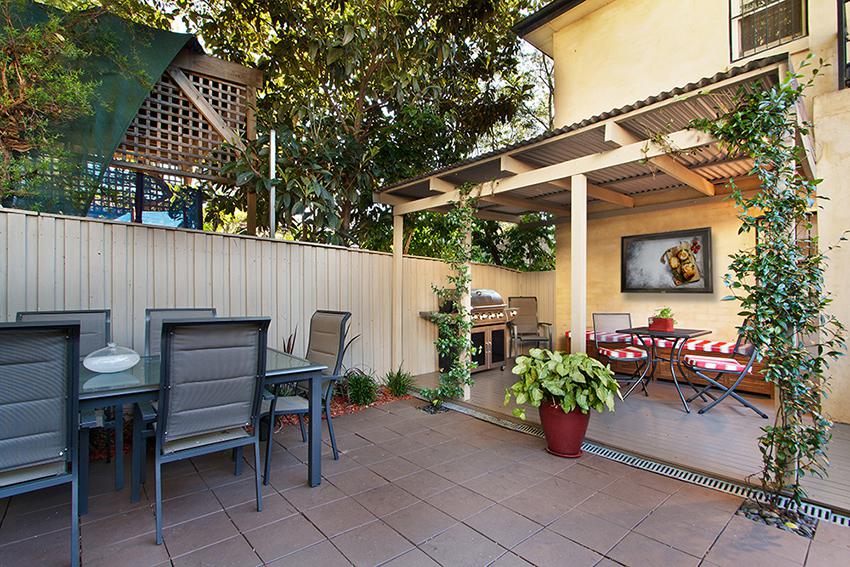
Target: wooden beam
{"x": 397, "y": 341}
{"x": 578, "y": 263}
{"x": 512, "y": 165}
{"x": 205, "y": 108}
{"x": 218, "y": 68}
{"x": 618, "y": 135}
{"x": 527, "y": 204}
{"x": 438, "y": 185}
{"x": 683, "y": 139}
{"x": 501, "y": 217}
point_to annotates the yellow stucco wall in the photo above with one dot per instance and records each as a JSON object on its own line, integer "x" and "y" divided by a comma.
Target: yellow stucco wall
{"x": 704, "y": 311}
{"x": 628, "y": 50}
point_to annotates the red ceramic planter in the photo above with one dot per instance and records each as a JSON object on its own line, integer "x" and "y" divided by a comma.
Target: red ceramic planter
{"x": 661, "y": 324}
{"x": 564, "y": 431}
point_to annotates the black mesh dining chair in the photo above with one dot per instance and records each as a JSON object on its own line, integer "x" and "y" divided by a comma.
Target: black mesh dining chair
{"x": 526, "y": 328}
{"x": 211, "y": 379}
{"x": 328, "y": 331}
{"x": 95, "y": 333}
{"x": 39, "y": 417}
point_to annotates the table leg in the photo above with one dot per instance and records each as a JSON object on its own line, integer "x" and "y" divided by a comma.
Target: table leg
{"x": 314, "y": 463}
{"x": 676, "y": 347}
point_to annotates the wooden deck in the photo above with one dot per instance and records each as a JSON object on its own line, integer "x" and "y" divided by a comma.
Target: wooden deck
{"x": 721, "y": 443}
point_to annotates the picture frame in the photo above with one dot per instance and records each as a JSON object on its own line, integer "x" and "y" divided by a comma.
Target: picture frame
{"x": 667, "y": 262}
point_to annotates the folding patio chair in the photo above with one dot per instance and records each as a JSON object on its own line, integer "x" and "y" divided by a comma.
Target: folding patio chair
{"x": 525, "y": 327}
{"x": 212, "y": 374}
{"x": 39, "y": 417}
{"x": 703, "y": 365}
{"x": 609, "y": 344}
{"x": 328, "y": 330}
{"x": 95, "y": 333}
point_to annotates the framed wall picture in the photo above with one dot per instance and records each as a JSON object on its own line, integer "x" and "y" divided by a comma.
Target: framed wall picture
{"x": 667, "y": 262}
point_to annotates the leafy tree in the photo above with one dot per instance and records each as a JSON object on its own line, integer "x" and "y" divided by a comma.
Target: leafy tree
{"x": 363, "y": 94}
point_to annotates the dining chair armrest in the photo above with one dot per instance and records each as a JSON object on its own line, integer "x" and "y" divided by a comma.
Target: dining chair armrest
{"x": 146, "y": 411}
{"x": 88, "y": 419}
{"x": 547, "y": 327}
{"x": 267, "y": 395}
{"x": 513, "y": 329}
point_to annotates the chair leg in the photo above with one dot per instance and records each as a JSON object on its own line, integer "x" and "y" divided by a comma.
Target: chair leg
{"x": 158, "y": 482}
{"x": 137, "y": 463}
{"x": 268, "y": 464}
{"x": 118, "y": 424}
{"x": 257, "y": 474}
{"x": 331, "y": 429}
{"x": 303, "y": 430}
{"x": 75, "y": 517}
{"x": 237, "y": 456}
{"x": 83, "y": 472}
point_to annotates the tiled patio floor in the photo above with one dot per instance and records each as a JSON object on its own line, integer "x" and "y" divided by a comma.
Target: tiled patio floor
{"x": 413, "y": 489}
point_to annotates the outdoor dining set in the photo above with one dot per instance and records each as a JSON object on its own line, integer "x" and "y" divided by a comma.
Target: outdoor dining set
{"x": 204, "y": 384}
{"x": 720, "y": 365}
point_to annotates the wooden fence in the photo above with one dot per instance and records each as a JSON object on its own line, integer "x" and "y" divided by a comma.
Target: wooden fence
{"x": 55, "y": 262}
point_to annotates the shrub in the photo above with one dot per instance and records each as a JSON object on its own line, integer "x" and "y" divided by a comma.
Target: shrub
{"x": 399, "y": 382}
{"x": 361, "y": 387}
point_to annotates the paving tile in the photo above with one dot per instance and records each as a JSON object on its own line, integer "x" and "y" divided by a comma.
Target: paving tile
{"x": 140, "y": 551}
{"x": 637, "y": 550}
{"x": 461, "y": 546}
{"x": 111, "y": 503}
{"x": 424, "y": 484}
{"x": 403, "y": 446}
{"x": 39, "y": 500}
{"x": 189, "y": 507}
{"x": 322, "y": 554}
{"x": 607, "y": 465}
{"x": 633, "y": 493}
{"x": 588, "y": 530}
{"x": 385, "y": 499}
{"x": 246, "y": 517}
{"x": 379, "y": 435}
{"x": 827, "y": 555}
{"x": 614, "y": 510}
{"x": 346, "y": 442}
{"x": 460, "y": 502}
{"x": 289, "y": 477}
{"x": 655, "y": 481}
{"x": 23, "y": 526}
{"x": 240, "y": 492}
{"x": 371, "y": 544}
{"x": 502, "y": 525}
{"x": 511, "y": 560}
{"x": 370, "y": 454}
{"x": 413, "y": 558}
{"x": 471, "y": 466}
{"x": 283, "y": 537}
{"x": 502, "y": 484}
{"x": 357, "y": 480}
{"x": 49, "y": 550}
{"x": 331, "y": 467}
{"x": 587, "y": 476}
{"x": 697, "y": 497}
{"x": 407, "y": 427}
{"x": 419, "y": 522}
{"x": 448, "y": 451}
{"x": 832, "y": 534}
{"x": 684, "y": 528}
{"x": 745, "y": 542}
{"x": 549, "y": 500}
{"x": 198, "y": 533}
{"x": 548, "y": 463}
{"x": 547, "y": 548}
{"x": 304, "y": 497}
{"x": 228, "y": 553}
{"x": 177, "y": 486}
{"x": 394, "y": 468}
{"x": 117, "y": 528}
{"x": 339, "y": 516}
{"x": 430, "y": 437}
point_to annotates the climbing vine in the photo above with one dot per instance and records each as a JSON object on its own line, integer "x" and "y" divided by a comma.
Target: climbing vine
{"x": 779, "y": 281}
{"x": 453, "y": 319}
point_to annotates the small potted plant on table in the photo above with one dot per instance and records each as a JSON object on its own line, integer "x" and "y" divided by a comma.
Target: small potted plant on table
{"x": 663, "y": 320}
{"x": 564, "y": 388}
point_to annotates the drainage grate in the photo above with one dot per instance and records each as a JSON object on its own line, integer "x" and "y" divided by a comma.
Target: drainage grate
{"x": 737, "y": 489}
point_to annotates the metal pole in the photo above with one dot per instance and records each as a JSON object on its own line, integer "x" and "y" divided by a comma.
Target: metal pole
{"x": 272, "y": 173}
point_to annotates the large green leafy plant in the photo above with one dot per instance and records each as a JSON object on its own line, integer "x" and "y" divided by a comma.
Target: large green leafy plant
{"x": 779, "y": 282}
{"x": 572, "y": 381}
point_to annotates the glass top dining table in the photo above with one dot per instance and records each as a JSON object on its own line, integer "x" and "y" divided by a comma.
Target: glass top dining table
{"x": 141, "y": 383}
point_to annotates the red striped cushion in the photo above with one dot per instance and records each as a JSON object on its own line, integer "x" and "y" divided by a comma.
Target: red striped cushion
{"x": 714, "y": 363}
{"x": 704, "y": 345}
{"x": 605, "y": 337}
{"x": 647, "y": 341}
{"x": 626, "y": 353}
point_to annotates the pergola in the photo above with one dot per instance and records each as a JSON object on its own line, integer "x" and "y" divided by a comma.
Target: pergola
{"x": 638, "y": 158}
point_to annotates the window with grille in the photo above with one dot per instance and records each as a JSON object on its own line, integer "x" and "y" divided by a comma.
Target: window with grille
{"x": 758, "y": 25}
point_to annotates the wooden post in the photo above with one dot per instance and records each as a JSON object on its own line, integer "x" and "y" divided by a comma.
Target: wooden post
{"x": 397, "y": 282}
{"x": 466, "y": 301}
{"x": 251, "y": 134}
{"x": 578, "y": 263}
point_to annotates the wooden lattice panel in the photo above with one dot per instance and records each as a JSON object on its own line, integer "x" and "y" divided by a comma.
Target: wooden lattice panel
{"x": 171, "y": 135}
